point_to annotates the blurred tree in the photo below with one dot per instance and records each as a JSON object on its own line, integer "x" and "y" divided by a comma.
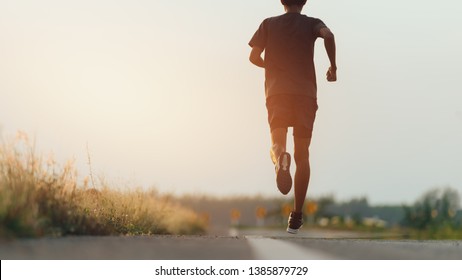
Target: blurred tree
{"x": 322, "y": 206}
{"x": 436, "y": 209}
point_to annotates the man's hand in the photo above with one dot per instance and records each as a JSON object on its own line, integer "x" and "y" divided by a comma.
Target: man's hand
{"x": 331, "y": 74}
{"x": 329, "y": 43}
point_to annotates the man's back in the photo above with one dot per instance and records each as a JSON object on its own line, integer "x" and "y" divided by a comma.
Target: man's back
{"x": 288, "y": 41}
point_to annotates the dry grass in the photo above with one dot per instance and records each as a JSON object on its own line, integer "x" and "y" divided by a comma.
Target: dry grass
{"x": 39, "y": 198}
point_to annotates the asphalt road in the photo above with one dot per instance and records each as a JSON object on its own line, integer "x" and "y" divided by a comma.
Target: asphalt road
{"x": 244, "y": 245}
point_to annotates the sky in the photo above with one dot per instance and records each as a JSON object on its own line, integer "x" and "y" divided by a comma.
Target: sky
{"x": 161, "y": 94}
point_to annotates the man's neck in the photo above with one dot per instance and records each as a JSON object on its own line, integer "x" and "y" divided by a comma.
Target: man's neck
{"x": 293, "y": 9}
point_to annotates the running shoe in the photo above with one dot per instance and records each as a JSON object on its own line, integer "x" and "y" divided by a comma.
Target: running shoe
{"x": 283, "y": 178}
{"x": 295, "y": 222}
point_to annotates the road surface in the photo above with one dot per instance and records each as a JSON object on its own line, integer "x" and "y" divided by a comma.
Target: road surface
{"x": 243, "y": 245}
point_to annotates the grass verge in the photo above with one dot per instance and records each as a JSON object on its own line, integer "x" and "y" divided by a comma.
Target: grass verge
{"x": 40, "y": 198}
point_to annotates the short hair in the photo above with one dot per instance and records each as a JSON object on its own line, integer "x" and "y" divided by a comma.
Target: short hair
{"x": 293, "y": 2}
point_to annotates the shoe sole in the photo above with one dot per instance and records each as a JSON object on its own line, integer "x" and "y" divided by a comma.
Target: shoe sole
{"x": 283, "y": 178}
{"x": 292, "y": 230}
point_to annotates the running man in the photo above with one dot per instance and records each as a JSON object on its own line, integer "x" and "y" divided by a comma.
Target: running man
{"x": 290, "y": 89}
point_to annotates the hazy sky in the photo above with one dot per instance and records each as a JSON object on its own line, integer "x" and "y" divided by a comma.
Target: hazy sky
{"x": 163, "y": 93}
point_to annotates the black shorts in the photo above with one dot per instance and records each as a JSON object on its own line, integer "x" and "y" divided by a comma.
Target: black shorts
{"x": 297, "y": 111}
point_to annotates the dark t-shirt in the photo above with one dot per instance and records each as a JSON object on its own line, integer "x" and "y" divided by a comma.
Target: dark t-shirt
{"x": 288, "y": 41}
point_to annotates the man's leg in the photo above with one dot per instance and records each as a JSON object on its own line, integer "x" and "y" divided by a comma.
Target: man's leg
{"x": 281, "y": 160}
{"x": 302, "y": 173}
{"x": 278, "y": 143}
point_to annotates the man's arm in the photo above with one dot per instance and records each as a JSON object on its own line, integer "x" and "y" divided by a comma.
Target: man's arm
{"x": 255, "y": 57}
{"x": 329, "y": 44}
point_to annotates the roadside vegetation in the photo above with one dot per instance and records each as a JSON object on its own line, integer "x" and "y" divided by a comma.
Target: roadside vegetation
{"x": 436, "y": 215}
{"x": 40, "y": 198}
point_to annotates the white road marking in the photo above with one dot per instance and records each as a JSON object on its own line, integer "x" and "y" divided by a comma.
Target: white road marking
{"x": 275, "y": 249}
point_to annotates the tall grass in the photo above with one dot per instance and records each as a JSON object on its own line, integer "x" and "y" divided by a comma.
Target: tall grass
{"x": 39, "y": 197}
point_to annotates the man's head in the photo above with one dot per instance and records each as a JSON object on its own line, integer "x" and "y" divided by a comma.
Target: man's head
{"x": 293, "y": 2}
